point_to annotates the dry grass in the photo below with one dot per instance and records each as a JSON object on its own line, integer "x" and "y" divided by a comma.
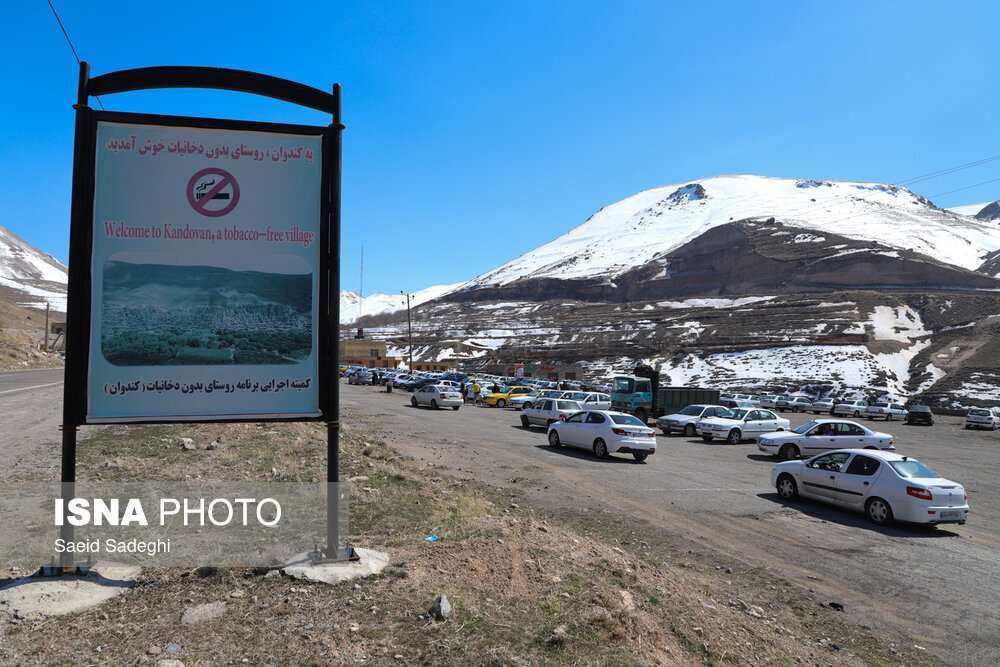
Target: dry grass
{"x": 526, "y": 589}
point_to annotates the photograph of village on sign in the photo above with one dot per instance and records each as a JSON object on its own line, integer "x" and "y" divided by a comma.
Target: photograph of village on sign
{"x": 170, "y": 315}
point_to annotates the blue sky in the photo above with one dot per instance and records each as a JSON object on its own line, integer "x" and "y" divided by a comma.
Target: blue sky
{"x": 477, "y": 131}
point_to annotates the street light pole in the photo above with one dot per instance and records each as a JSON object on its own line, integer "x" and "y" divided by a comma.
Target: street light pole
{"x": 409, "y": 324}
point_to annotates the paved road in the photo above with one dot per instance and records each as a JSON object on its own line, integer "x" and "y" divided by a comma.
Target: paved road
{"x": 31, "y": 409}
{"x": 935, "y": 587}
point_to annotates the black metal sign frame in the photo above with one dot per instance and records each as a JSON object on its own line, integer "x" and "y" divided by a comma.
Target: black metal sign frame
{"x": 76, "y": 385}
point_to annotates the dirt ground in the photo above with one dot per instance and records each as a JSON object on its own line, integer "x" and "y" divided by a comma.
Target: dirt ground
{"x": 528, "y": 585}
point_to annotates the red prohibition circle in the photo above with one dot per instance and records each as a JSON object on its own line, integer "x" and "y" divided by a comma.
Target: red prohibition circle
{"x": 199, "y": 201}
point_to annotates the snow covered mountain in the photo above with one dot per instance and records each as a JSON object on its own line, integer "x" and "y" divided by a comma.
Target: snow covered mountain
{"x": 29, "y": 277}
{"x": 636, "y": 230}
{"x": 353, "y": 305}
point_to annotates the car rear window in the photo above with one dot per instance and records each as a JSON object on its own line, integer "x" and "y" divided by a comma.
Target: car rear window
{"x": 626, "y": 420}
{"x": 911, "y": 468}
{"x": 980, "y": 413}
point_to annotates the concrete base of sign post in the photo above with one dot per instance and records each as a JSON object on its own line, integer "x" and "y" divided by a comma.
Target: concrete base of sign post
{"x": 41, "y": 597}
{"x": 302, "y": 567}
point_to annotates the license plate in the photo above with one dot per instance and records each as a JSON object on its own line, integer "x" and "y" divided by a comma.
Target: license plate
{"x": 946, "y": 516}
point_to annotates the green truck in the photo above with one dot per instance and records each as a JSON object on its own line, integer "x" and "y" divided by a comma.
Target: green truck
{"x": 641, "y": 395}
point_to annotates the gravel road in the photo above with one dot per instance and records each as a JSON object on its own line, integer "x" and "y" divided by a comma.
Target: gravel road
{"x": 31, "y": 405}
{"x": 934, "y": 587}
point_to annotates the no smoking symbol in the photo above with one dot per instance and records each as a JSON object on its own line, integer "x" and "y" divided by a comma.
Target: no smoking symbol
{"x": 213, "y": 192}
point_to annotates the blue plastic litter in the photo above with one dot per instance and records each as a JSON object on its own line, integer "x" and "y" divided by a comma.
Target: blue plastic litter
{"x": 431, "y": 538}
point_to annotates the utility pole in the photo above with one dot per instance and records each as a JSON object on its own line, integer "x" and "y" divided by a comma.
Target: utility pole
{"x": 409, "y": 324}
{"x": 47, "y": 306}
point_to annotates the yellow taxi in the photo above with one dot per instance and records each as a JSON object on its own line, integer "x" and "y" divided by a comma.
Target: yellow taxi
{"x": 502, "y": 398}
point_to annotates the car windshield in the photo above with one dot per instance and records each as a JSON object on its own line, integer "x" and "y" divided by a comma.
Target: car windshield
{"x": 626, "y": 420}
{"x": 624, "y": 385}
{"x": 804, "y": 428}
{"x": 911, "y": 468}
{"x": 692, "y": 410}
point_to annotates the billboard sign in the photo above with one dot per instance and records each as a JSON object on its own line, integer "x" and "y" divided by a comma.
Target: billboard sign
{"x": 205, "y": 272}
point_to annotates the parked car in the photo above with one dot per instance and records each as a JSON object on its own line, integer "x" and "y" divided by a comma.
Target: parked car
{"x": 525, "y": 401}
{"x": 589, "y": 400}
{"x": 885, "y": 410}
{"x": 686, "y": 420}
{"x": 604, "y": 433}
{"x": 883, "y": 485}
{"x": 983, "y": 418}
{"x": 547, "y": 411}
{"x": 437, "y": 396}
{"x": 502, "y": 398}
{"x": 769, "y": 401}
{"x": 361, "y": 377}
{"x": 796, "y": 404}
{"x": 741, "y": 424}
{"x": 920, "y": 414}
{"x": 822, "y": 435}
{"x": 850, "y": 408}
{"x": 821, "y": 405}
{"x": 781, "y": 402}
{"x": 732, "y": 403}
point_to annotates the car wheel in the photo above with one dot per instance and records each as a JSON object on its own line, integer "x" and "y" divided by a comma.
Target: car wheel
{"x": 815, "y": 412}
{"x": 787, "y": 488}
{"x": 600, "y": 449}
{"x": 501, "y": 403}
{"x": 413, "y": 401}
{"x": 640, "y": 456}
{"x": 434, "y": 404}
{"x": 788, "y": 452}
{"x": 455, "y": 407}
{"x": 706, "y": 438}
{"x": 526, "y": 405}
{"x": 856, "y": 414}
{"x": 524, "y": 422}
{"x": 878, "y": 511}
{"x": 666, "y": 431}
{"x": 734, "y": 437}
{"x": 554, "y": 439}
{"x": 689, "y": 430}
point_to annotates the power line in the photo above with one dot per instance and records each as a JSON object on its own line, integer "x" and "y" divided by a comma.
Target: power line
{"x": 70, "y": 42}
{"x": 968, "y": 187}
{"x": 950, "y": 170}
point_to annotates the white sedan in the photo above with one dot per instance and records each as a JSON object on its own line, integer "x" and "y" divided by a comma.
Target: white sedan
{"x": 547, "y": 411}
{"x": 822, "y": 435}
{"x": 850, "y": 408}
{"x": 883, "y": 485}
{"x": 886, "y": 411}
{"x": 741, "y": 424}
{"x": 437, "y": 396}
{"x": 589, "y": 400}
{"x": 604, "y": 433}
{"x": 525, "y": 401}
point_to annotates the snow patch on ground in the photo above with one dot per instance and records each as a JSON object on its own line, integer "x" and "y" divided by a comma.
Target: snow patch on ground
{"x": 714, "y": 303}
{"x": 808, "y": 238}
